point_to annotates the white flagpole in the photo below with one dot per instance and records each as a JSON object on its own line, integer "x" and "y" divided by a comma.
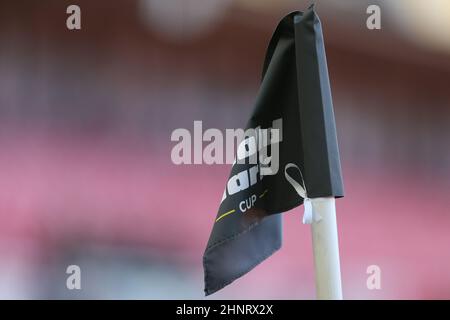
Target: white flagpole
{"x": 326, "y": 250}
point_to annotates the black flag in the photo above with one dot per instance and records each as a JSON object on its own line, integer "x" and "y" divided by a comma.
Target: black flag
{"x": 291, "y": 135}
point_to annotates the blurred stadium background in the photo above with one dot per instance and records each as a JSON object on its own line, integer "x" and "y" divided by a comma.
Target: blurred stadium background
{"x": 85, "y": 123}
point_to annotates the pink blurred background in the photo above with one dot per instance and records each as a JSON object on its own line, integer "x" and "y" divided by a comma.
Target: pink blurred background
{"x": 85, "y": 122}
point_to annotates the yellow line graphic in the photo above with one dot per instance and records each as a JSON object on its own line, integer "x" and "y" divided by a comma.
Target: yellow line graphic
{"x": 225, "y": 214}
{"x": 264, "y": 193}
{"x": 231, "y": 211}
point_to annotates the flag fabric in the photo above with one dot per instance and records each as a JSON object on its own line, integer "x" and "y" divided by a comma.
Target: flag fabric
{"x": 294, "y": 108}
